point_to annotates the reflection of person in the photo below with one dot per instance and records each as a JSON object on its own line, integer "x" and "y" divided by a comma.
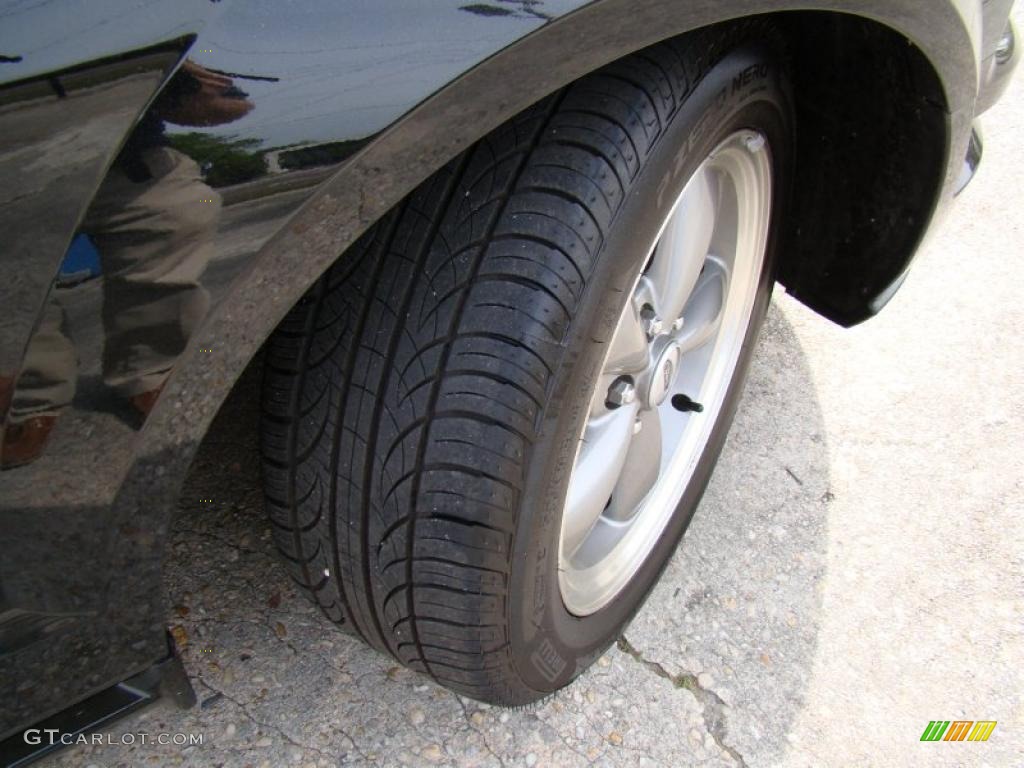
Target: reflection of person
{"x": 152, "y": 221}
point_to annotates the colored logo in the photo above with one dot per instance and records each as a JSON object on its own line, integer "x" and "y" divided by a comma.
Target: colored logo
{"x": 958, "y": 730}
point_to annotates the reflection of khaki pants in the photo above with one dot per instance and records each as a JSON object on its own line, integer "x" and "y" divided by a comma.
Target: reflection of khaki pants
{"x": 154, "y": 239}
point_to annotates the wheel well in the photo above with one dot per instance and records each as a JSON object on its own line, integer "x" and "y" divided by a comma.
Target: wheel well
{"x": 872, "y": 140}
{"x": 872, "y": 143}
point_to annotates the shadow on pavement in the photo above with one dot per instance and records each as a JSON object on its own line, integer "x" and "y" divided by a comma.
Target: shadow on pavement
{"x": 737, "y": 612}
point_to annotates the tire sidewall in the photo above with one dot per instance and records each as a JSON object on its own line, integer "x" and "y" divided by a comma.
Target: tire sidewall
{"x": 549, "y": 646}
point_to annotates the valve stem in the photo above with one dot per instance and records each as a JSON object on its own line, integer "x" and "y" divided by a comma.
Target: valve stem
{"x": 686, "y": 405}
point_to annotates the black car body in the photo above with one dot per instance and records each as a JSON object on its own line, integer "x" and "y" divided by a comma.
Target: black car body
{"x": 343, "y": 109}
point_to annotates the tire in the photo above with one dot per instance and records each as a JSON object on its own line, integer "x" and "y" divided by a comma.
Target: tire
{"x": 423, "y": 402}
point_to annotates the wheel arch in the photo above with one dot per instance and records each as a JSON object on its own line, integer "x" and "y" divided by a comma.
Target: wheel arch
{"x": 876, "y": 148}
{"x": 931, "y": 46}
{"x": 934, "y": 41}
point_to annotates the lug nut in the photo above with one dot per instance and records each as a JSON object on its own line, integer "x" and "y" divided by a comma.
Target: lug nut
{"x": 677, "y": 324}
{"x": 1004, "y": 48}
{"x": 621, "y": 392}
{"x": 651, "y": 323}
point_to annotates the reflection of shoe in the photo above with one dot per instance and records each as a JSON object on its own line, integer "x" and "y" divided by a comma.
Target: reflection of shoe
{"x": 24, "y": 441}
{"x": 143, "y": 402}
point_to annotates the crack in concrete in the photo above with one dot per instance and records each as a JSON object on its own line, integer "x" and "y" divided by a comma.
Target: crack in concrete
{"x": 479, "y": 731}
{"x": 262, "y": 724}
{"x": 713, "y": 708}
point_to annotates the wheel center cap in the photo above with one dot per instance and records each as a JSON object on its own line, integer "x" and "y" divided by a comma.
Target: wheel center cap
{"x": 664, "y": 374}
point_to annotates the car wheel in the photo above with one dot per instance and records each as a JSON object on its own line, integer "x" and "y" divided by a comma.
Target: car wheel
{"x": 487, "y": 427}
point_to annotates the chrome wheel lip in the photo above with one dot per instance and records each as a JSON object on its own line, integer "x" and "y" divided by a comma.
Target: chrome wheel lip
{"x": 590, "y": 578}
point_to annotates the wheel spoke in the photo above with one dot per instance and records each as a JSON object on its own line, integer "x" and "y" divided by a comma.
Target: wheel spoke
{"x": 603, "y": 450}
{"x": 684, "y": 244}
{"x": 628, "y": 350}
{"x": 681, "y": 337}
{"x": 703, "y": 312}
{"x": 641, "y": 468}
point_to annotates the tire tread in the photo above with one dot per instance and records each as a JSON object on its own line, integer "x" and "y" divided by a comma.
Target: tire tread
{"x": 403, "y": 393}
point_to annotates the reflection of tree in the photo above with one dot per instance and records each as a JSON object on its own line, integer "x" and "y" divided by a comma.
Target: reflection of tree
{"x": 508, "y": 8}
{"x": 483, "y": 9}
{"x": 315, "y": 155}
{"x": 225, "y": 160}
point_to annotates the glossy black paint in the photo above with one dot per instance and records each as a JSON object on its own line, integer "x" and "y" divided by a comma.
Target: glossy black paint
{"x": 340, "y": 109}
{"x": 165, "y": 679}
{"x": 80, "y": 562}
{"x": 972, "y": 161}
